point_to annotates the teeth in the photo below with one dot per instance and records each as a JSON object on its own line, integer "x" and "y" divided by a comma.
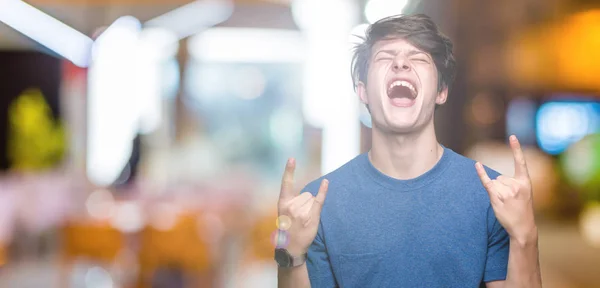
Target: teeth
{"x": 405, "y": 84}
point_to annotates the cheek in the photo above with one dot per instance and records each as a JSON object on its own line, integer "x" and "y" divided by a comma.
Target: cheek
{"x": 375, "y": 78}
{"x": 429, "y": 80}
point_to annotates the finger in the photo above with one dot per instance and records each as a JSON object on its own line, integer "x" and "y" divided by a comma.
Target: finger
{"x": 307, "y": 206}
{"x": 287, "y": 183}
{"x": 503, "y": 188}
{"x": 321, "y": 195}
{"x": 483, "y": 176}
{"x": 488, "y": 184}
{"x": 305, "y": 211}
{"x": 503, "y": 179}
{"x": 507, "y": 181}
{"x": 498, "y": 197}
{"x": 300, "y": 201}
{"x": 520, "y": 164}
{"x": 511, "y": 184}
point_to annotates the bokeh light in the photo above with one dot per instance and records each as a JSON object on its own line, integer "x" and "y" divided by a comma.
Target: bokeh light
{"x": 559, "y": 124}
{"x": 284, "y": 222}
{"x": 484, "y": 109}
{"x": 249, "y": 82}
{"x": 128, "y": 217}
{"x": 379, "y": 9}
{"x": 97, "y": 277}
{"x": 520, "y": 120}
{"x": 581, "y": 165}
{"x": 589, "y": 224}
{"x": 100, "y": 204}
{"x": 164, "y": 216}
{"x": 280, "y": 238}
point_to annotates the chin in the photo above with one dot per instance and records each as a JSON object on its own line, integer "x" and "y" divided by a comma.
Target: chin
{"x": 396, "y": 124}
{"x": 403, "y": 118}
{"x": 403, "y": 126}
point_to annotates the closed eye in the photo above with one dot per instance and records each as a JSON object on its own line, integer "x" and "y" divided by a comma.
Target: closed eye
{"x": 421, "y": 60}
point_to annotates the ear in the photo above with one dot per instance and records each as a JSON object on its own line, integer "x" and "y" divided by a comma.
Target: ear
{"x": 442, "y": 96}
{"x": 361, "y": 89}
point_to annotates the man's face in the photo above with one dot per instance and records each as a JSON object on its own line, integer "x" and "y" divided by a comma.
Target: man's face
{"x": 401, "y": 88}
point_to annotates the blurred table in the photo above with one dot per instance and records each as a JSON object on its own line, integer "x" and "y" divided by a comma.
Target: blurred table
{"x": 566, "y": 260}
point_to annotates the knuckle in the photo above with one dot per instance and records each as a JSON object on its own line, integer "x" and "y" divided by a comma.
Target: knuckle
{"x": 301, "y": 218}
{"x": 283, "y": 207}
{"x": 293, "y": 211}
{"x": 290, "y": 209}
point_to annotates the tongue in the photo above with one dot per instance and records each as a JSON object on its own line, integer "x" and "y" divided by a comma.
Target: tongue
{"x": 400, "y": 92}
{"x": 404, "y": 101}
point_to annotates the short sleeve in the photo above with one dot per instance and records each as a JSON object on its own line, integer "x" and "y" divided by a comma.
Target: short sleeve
{"x": 498, "y": 249}
{"x": 319, "y": 268}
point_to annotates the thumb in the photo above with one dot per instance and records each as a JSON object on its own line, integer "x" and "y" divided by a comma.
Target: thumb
{"x": 321, "y": 195}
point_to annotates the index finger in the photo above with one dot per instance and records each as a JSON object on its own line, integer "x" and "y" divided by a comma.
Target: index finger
{"x": 287, "y": 183}
{"x": 520, "y": 164}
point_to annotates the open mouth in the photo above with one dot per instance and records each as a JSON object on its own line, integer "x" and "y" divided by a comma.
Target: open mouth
{"x": 402, "y": 89}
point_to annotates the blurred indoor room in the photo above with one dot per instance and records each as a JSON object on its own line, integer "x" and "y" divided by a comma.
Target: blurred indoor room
{"x": 142, "y": 142}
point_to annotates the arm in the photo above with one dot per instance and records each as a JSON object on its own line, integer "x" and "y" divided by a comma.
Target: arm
{"x": 296, "y": 277}
{"x": 303, "y": 222}
{"x": 512, "y": 201}
{"x": 316, "y": 271}
{"x": 523, "y": 262}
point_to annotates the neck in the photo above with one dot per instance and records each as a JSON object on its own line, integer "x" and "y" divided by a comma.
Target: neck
{"x": 405, "y": 156}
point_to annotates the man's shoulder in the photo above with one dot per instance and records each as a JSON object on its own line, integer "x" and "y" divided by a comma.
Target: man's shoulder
{"x": 337, "y": 178}
{"x": 465, "y": 166}
{"x": 464, "y": 182}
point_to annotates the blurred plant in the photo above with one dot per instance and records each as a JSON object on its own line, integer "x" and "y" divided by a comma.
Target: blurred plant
{"x": 36, "y": 141}
{"x": 581, "y": 166}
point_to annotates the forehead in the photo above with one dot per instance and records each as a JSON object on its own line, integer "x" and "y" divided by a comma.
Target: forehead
{"x": 396, "y": 44}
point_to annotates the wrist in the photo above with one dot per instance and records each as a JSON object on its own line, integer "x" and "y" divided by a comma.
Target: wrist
{"x": 526, "y": 239}
{"x": 296, "y": 251}
{"x": 285, "y": 259}
{"x": 293, "y": 268}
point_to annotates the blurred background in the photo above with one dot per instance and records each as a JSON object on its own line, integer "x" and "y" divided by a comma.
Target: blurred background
{"x": 142, "y": 142}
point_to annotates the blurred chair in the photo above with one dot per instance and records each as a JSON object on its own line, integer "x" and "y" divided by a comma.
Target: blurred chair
{"x": 3, "y": 255}
{"x": 260, "y": 245}
{"x": 96, "y": 241}
{"x": 179, "y": 247}
{"x": 90, "y": 240}
{"x": 257, "y": 267}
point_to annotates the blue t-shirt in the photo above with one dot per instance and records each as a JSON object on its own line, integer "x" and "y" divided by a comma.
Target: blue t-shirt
{"x": 436, "y": 230}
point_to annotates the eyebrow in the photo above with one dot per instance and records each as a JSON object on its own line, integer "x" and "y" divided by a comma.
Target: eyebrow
{"x": 395, "y": 52}
{"x": 415, "y": 52}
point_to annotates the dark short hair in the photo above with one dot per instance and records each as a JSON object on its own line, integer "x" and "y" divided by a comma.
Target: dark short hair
{"x": 418, "y": 30}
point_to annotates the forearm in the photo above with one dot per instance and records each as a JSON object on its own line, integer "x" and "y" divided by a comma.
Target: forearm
{"x": 296, "y": 277}
{"x": 523, "y": 262}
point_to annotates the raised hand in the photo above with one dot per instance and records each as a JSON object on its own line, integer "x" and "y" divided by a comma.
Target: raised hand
{"x": 511, "y": 197}
{"x": 300, "y": 214}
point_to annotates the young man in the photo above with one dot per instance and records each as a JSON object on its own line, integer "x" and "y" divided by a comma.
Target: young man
{"x": 410, "y": 212}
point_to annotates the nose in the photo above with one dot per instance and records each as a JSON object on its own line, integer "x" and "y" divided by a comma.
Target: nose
{"x": 400, "y": 64}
